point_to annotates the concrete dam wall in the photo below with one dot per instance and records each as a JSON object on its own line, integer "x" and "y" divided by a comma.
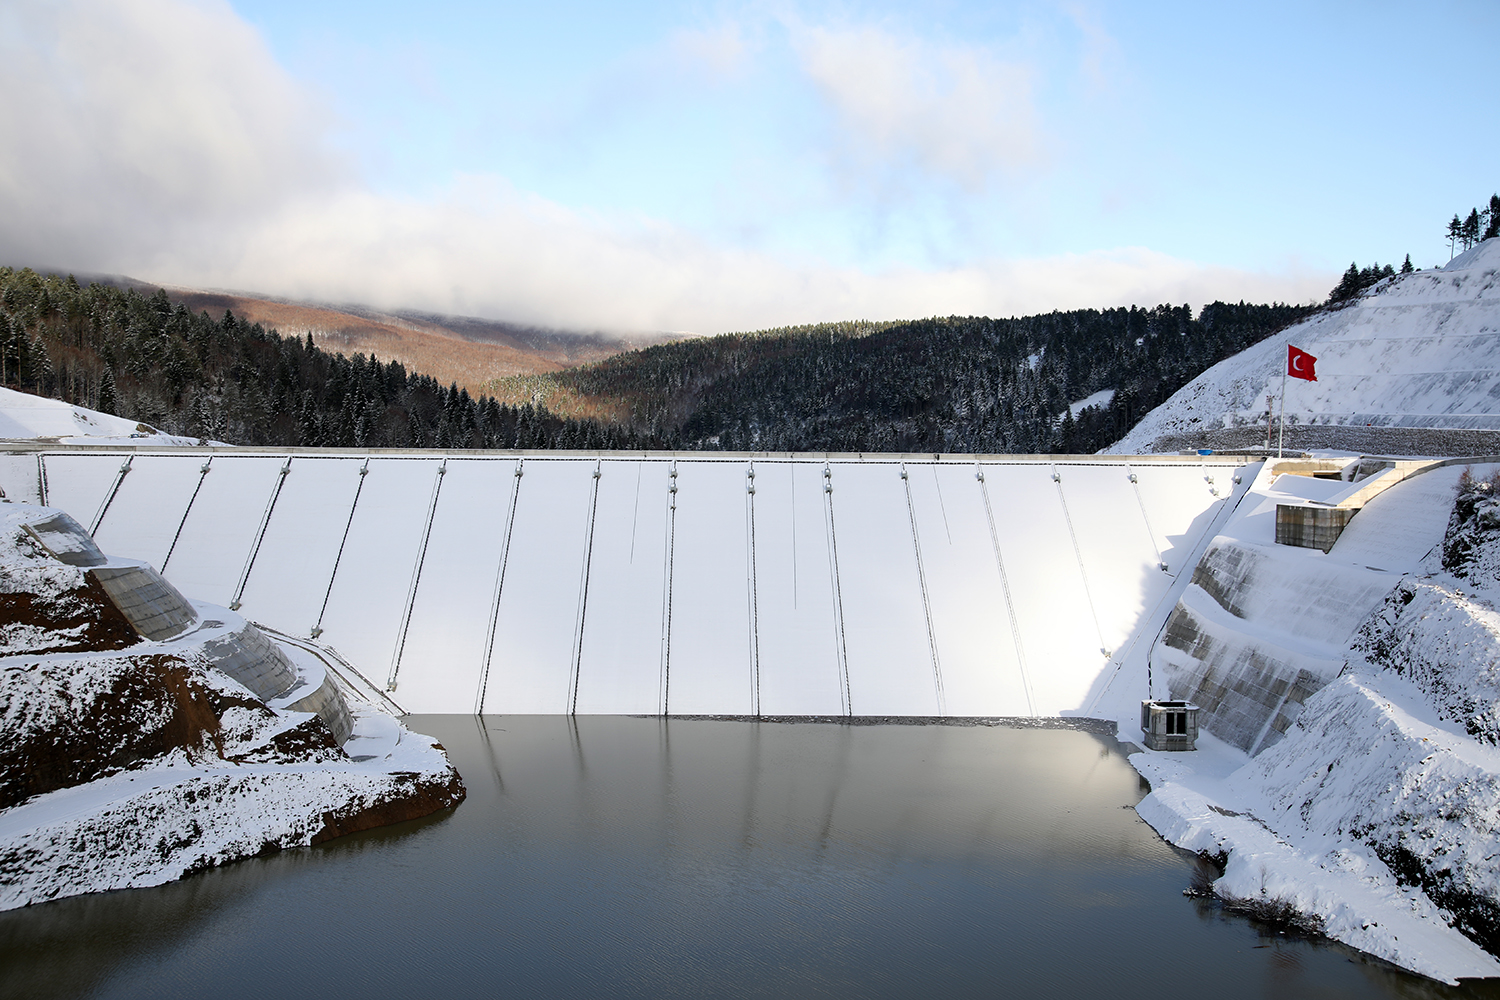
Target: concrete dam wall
{"x": 689, "y": 584}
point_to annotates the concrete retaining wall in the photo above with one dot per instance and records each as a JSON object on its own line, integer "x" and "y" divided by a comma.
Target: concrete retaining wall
{"x": 251, "y": 658}
{"x": 151, "y": 604}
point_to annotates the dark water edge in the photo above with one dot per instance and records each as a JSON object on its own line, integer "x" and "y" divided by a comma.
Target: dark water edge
{"x": 625, "y": 857}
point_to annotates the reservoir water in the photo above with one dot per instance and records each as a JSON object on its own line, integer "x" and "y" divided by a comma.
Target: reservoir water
{"x": 633, "y": 857}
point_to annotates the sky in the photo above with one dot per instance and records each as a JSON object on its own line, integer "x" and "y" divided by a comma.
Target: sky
{"x": 716, "y": 166}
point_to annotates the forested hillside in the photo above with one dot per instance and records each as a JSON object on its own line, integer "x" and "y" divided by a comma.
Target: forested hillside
{"x": 141, "y": 357}
{"x": 960, "y": 384}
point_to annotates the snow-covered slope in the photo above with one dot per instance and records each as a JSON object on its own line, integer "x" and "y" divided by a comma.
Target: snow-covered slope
{"x": 143, "y": 738}
{"x": 1377, "y": 813}
{"x": 1419, "y": 350}
{"x": 24, "y": 416}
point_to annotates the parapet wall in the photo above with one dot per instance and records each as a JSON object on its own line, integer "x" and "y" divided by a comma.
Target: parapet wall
{"x": 748, "y": 585}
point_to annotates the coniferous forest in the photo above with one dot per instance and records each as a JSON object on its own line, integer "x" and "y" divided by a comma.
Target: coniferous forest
{"x": 955, "y": 384}
{"x": 141, "y": 357}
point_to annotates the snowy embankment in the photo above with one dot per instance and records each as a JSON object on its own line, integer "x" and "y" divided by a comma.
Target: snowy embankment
{"x": 1418, "y": 350}
{"x": 1376, "y": 814}
{"x": 26, "y": 417}
{"x": 132, "y": 760}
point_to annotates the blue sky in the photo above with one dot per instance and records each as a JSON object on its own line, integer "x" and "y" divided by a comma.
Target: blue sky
{"x": 713, "y": 166}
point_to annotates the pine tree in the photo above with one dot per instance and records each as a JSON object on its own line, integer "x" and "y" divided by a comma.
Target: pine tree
{"x": 1348, "y": 285}
{"x": 1455, "y": 233}
{"x": 108, "y": 403}
{"x": 1492, "y": 215}
{"x": 1471, "y": 229}
{"x": 307, "y": 421}
{"x": 1406, "y": 267}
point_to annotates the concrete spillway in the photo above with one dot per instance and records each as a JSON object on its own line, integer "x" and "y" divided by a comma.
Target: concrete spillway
{"x": 667, "y": 584}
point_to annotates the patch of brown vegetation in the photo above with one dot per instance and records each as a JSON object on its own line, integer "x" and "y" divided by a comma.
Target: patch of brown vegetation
{"x": 422, "y": 347}
{"x": 470, "y": 352}
{"x": 562, "y": 400}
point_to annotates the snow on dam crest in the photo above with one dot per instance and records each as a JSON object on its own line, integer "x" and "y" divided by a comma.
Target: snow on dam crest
{"x": 623, "y": 583}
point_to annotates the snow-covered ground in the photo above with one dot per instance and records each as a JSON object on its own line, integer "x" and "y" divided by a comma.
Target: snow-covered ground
{"x": 24, "y": 416}
{"x": 130, "y": 762}
{"x": 186, "y": 812}
{"x": 1378, "y": 812}
{"x": 1101, "y": 398}
{"x": 1419, "y": 350}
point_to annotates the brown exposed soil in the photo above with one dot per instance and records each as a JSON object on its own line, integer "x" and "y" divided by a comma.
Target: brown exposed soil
{"x": 310, "y": 741}
{"x": 413, "y": 798}
{"x": 78, "y": 621}
{"x": 155, "y": 704}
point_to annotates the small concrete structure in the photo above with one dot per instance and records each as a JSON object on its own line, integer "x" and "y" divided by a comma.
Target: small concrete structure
{"x": 1317, "y": 524}
{"x": 1310, "y": 526}
{"x": 1170, "y": 725}
{"x": 151, "y": 604}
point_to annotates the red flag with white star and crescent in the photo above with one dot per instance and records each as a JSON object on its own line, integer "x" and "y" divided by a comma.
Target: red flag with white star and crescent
{"x": 1299, "y": 364}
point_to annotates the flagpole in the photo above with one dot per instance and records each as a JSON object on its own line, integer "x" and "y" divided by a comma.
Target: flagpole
{"x": 1280, "y": 441}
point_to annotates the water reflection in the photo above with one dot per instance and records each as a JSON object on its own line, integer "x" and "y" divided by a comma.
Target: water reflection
{"x": 885, "y": 792}
{"x": 605, "y": 856}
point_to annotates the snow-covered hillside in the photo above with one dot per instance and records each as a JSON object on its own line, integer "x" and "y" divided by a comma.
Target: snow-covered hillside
{"x": 146, "y": 737}
{"x": 1417, "y": 351}
{"x": 24, "y": 416}
{"x": 1376, "y": 812}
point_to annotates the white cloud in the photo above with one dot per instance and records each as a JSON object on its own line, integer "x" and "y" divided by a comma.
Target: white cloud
{"x": 159, "y": 138}
{"x": 721, "y": 51}
{"x": 1101, "y": 59}
{"x": 130, "y": 124}
{"x": 486, "y": 249}
{"x": 957, "y": 111}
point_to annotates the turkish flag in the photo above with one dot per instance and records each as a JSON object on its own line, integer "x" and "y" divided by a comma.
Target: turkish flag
{"x": 1299, "y": 364}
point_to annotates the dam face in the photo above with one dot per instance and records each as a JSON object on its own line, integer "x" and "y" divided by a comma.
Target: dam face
{"x": 658, "y": 583}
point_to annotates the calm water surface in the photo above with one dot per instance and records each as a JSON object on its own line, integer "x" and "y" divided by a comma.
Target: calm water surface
{"x": 620, "y": 857}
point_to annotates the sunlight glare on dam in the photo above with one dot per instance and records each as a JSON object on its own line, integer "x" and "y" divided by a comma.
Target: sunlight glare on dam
{"x": 668, "y": 584}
